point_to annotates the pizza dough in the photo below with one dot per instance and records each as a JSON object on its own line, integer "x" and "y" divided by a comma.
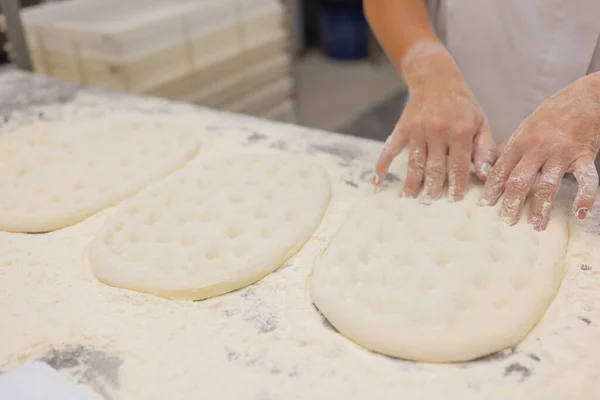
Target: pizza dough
{"x": 215, "y": 226}
{"x": 439, "y": 283}
{"x": 53, "y": 175}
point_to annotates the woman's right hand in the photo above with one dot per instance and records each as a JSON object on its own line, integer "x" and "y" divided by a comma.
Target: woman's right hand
{"x": 443, "y": 125}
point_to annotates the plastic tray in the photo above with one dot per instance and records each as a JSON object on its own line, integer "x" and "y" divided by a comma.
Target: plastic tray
{"x": 266, "y": 98}
{"x": 284, "y": 112}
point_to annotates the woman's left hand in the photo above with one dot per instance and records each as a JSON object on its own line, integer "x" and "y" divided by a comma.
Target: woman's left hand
{"x": 562, "y": 136}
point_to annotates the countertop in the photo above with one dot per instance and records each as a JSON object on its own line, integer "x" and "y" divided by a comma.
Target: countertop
{"x": 26, "y": 98}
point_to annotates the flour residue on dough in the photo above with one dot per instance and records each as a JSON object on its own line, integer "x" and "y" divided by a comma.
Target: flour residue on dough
{"x": 268, "y": 341}
{"x": 442, "y": 282}
{"x": 217, "y": 225}
{"x": 56, "y": 174}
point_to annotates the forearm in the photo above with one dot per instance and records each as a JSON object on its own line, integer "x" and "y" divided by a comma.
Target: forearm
{"x": 404, "y": 30}
{"x": 399, "y": 24}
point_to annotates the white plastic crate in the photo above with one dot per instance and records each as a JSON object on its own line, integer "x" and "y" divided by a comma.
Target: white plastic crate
{"x": 140, "y": 75}
{"x": 38, "y": 61}
{"x": 258, "y": 75}
{"x": 208, "y": 16}
{"x": 260, "y": 20}
{"x": 260, "y": 101}
{"x": 220, "y": 93}
{"x": 212, "y": 52}
{"x": 64, "y": 66}
{"x": 122, "y": 31}
{"x": 140, "y": 45}
{"x": 200, "y": 83}
{"x": 212, "y": 30}
{"x": 215, "y": 46}
{"x": 284, "y": 112}
{"x": 63, "y": 56}
{"x": 269, "y": 47}
{"x": 46, "y": 14}
{"x": 249, "y": 7}
{"x": 119, "y": 45}
{"x": 180, "y": 88}
{"x": 224, "y": 69}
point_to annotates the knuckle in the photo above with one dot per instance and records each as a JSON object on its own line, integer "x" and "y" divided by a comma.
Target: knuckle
{"x": 538, "y": 143}
{"x": 462, "y": 130}
{"x": 436, "y": 169}
{"x": 415, "y": 168}
{"x": 588, "y": 196}
{"x": 416, "y": 124}
{"x": 460, "y": 173}
{"x": 460, "y": 164}
{"x": 436, "y": 125}
{"x": 516, "y": 184}
{"x": 545, "y": 188}
{"x": 417, "y": 156}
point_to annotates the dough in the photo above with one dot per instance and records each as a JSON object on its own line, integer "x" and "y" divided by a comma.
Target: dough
{"x": 53, "y": 175}
{"x": 215, "y": 226}
{"x": 439, "y": 283}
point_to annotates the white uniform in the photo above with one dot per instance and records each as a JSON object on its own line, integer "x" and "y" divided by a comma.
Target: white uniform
{"x": 514, "y": 54}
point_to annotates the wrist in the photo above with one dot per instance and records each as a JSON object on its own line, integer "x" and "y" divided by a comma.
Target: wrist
{"x": 427, "y": 61}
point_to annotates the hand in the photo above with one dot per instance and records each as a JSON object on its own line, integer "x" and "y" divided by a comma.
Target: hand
{"x": 444, "y": 126}
{"x": 562, "y": 136}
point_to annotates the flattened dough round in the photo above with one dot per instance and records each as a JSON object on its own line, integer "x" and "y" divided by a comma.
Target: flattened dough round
{"x": 57, "y": 174}
{"x": 215, "y": 226}
{"x": 439, "y": 283}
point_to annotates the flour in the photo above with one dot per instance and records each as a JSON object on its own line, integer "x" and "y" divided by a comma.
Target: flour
{"x": 268, "y": 341}
{"x": 99, "y": 161}
{"x": 442, "y": 283}
{"x": 215, "y": 226}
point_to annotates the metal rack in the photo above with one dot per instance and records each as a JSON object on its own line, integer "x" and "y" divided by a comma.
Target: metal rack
{"x": 14, "y": 28}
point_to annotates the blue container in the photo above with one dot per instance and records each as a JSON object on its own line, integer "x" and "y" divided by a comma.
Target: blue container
{"x": 344, "y": 30}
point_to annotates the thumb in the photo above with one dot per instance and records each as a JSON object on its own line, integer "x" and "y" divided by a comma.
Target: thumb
{"x": 485, "y": 152}
{"x": 587, "y": 178}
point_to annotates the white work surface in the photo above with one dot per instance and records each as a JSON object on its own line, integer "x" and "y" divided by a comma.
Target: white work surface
{"x": 266, "y": 341}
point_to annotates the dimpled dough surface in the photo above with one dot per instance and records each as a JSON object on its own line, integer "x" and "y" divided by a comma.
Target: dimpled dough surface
{"x": 215, "y": 226}
{"x": 57, "y": 174}
{"x": 439, "y": 283}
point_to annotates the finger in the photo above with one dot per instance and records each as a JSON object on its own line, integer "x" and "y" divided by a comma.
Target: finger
{"x": 394, "y": 144}
{"x": 544, "y": 193}
{"x": 435, "y": 172}
{"x": 416, "y": 169}
{"x": 485, "y": 152}
{"x": 459, "y": 161}
{"x": 517, "y": 187}
{"x": 587, "y": 178}
{"x": 494, "y": 185}
{"x": 500, "y": 148}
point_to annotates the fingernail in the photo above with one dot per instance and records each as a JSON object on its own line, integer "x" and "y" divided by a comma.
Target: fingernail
{"x": 426, "y": 200}
{"x": 483, "y": 202}
{"x": 510, "y": 210}
{"x": 374, "y": 179}
{"x": 485, "y": 169}
{"x": 582, "y": 213}
{"x": 451, "y": 192}
{"x": 453, "y": 198}
{"x": 505, "y": 215}
{"x": 535, "y": 221}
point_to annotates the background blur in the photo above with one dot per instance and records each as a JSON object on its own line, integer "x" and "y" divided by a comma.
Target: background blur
{"x": 312, "y": 62}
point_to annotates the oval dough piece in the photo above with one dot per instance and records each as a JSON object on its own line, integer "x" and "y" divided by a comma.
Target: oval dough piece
{"x": 213, "y": 227}
{"x": 57, "y": 174}
{"x": 440, "y": 283}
